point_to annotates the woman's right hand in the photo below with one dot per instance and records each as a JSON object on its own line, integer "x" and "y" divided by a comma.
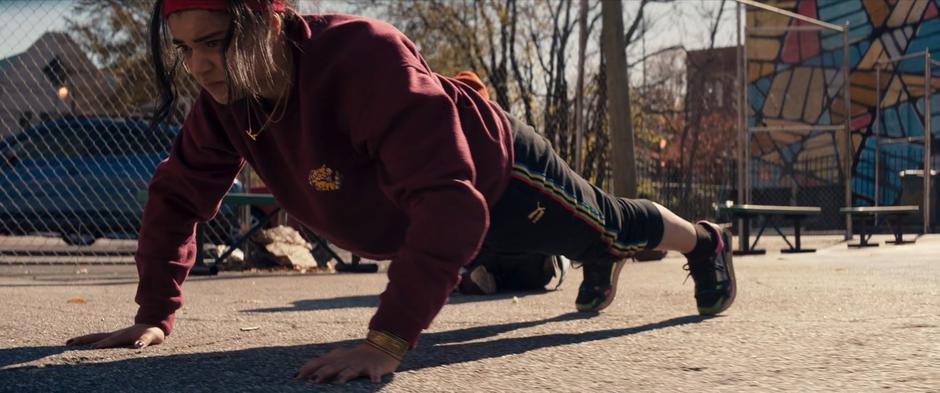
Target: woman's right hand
{"x": 137, "y": 336}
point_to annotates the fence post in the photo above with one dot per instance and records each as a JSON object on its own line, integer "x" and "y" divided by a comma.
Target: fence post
{"x": 847, "y": 154}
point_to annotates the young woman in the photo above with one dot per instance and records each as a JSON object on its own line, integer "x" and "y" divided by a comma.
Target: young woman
{"x": 358, "y": 139}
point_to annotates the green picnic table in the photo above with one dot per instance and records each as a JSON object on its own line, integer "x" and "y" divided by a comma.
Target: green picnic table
{"x": 769, "y": 215}
{"x": 867, "y": 218}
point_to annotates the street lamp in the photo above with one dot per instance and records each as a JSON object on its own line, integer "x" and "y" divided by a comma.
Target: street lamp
{"x": 63, "y": 93}
{"x": 662, "y": 152}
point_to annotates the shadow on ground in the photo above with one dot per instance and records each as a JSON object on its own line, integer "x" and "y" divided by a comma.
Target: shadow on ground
{"x": 372, "y": 301}
{"x": 62, "y": 280}
{"x": 271, "y": 368}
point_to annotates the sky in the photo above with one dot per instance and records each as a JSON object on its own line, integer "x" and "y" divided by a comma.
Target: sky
{"x": 677, "y": 23}
{"x": 23, "y": 21}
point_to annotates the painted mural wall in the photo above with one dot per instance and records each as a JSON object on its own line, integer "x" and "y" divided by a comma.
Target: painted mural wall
{"x": 795, "y": 79}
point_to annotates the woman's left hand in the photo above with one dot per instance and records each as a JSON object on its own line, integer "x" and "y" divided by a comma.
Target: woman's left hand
{"x": 344, "y": 364}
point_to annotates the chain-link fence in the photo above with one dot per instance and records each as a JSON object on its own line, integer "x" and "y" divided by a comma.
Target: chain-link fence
{"x": 77, "y": 152}
{"x": 668, "y": 183}
{"x": 796, "y": 92}
{"x": 76, "y": 95}
{"x": 848, "y": 77}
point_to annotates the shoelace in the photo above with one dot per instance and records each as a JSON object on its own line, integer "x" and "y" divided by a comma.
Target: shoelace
{"x": 593, "y": 275}
{"x": 715, "y": 266}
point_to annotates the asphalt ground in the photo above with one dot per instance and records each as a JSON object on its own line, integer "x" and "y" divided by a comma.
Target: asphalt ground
{"x": 839, "y": 319}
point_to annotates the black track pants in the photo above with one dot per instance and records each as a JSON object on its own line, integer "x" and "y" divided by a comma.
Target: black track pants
{"x": 549, "y": 209}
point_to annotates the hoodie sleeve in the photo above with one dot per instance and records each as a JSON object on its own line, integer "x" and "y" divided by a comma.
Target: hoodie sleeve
{"x": 399, "y": 114}
{"x": 186, "y": 188}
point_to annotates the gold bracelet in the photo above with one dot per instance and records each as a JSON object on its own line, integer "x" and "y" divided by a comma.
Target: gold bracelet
{"x": 388, "y": 343}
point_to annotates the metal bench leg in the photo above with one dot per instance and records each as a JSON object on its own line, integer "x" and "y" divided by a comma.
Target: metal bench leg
{"x": 863, "y": 234}
{"x": 744, "y": 238}
{"x": 200, "y": 268}
{"x": 749, "y": 249}
{"x": 355, "y": 266}
{"x": 796, "y": 234}
{"x": 241, "y": 239}
{"x": 322, "y": 251}
{"x": 896, "y": 224}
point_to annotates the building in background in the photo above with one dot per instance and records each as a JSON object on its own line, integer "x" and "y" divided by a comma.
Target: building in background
{"x": 711, "y": 80}
{"x": 52, "y": 78}
{"x": 711, "y": 107}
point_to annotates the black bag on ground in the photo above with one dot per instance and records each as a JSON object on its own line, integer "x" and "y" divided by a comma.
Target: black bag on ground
{"x": 525, "y": 272}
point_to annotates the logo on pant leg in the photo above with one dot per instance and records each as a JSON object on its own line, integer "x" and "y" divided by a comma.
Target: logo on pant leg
{"x": 538, "y": 213}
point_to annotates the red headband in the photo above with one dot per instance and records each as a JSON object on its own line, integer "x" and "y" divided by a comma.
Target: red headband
{"x": 171, "y": 6}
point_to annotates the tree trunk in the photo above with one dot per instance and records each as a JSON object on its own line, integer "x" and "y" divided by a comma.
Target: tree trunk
{"x": 579, "y": 89}
{"x": 618, "y": 92}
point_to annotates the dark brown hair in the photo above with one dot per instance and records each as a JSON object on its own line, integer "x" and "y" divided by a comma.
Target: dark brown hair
{"x": 251, "y": 68}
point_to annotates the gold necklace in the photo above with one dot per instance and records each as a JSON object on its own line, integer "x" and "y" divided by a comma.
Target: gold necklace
{"x": 279, "y": 106}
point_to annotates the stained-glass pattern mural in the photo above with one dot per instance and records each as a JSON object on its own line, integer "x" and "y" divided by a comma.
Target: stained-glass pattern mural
{"x": 795, "y": 79}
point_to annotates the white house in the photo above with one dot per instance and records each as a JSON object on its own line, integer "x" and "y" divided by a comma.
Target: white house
{"x": 52, "y": 78}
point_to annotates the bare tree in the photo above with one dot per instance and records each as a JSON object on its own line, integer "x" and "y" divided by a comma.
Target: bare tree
{"x": 523, "y": 49}
{"x": 115, "y": 34}
{"x": 692, "y": 133}
{"x": 579, "y": 87}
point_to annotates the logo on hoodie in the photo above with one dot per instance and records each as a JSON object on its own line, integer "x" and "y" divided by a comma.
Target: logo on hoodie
{"x": 325, "y": 179}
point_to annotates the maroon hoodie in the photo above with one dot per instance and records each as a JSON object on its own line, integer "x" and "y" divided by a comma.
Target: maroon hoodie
{"x": 376, "y": 153}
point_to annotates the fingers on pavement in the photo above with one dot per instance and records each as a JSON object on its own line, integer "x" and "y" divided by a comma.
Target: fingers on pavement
{"x": 310, "y": 368}
{"x": 347, "y": 375}
{"x": 118, "y": 338}
{"x": 87, "y": 339}
{"x": 146, "y": 339}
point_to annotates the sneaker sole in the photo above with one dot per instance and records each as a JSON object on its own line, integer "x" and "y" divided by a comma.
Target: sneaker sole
{"x": 734, "y": 283}
{"x": 615, "y": 277}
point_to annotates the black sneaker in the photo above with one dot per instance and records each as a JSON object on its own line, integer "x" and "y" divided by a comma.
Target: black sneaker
{"x": 715, "y": 286}
{"x": 599, "y": 286}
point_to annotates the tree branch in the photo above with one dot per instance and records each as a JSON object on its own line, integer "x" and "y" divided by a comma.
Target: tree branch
{"x": 636, "y": 23}
{"x": 657, "y": 53}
